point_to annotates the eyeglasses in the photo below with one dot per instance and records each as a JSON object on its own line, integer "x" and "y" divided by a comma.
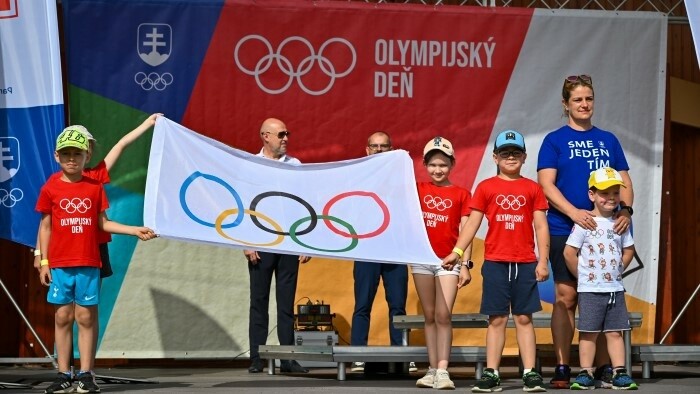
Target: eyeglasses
{"x": 379, "y": 146}
{"x": 280, "y": 134}
{"x": 575, "y": 78}
{"x": 504, "y": 154}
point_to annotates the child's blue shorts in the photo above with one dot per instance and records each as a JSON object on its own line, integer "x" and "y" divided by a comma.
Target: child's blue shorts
{"x": 74, "y": 284}
{"x": 509, "y": 288}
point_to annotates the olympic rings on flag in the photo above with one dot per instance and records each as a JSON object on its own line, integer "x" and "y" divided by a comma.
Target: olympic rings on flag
{"x": 274, "y": 227}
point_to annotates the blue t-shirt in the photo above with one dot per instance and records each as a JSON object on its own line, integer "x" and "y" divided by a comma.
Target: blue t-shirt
{"x": 575, "y": 154}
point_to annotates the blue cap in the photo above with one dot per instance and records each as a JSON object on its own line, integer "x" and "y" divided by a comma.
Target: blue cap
{"x": 509, "y": 138}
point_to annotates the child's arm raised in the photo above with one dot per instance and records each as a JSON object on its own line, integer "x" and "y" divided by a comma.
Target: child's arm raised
{"x": 126, "y": 140}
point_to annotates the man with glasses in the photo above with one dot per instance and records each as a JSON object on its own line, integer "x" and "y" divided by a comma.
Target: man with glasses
{"x": 366, "y": 275}
{"x": 261, "y": 266}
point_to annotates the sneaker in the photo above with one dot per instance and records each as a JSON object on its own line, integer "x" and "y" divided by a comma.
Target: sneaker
{"x": 427, "y": 381}
{"x": 62, "y": 384}
{"x": 562, "y": 375}
{"x": 584, "y": 381}
{"x": 86, "y": 383}
{"x": 412, "y": 367}
{"x": 358, "y": 366}
{"x": 442, "y": 380}
{"x": 603, "y": 376}
{"x": 488, "y": 383}
{"x": 622, "y": 381}
{"x": 532, "y": 382}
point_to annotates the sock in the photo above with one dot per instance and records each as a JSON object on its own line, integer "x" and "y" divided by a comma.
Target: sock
{"x": 80, "y": 373}
{"x": 495, "y": 372}
{"x": 67, "y": 373}
{"x": 526, "y": 371}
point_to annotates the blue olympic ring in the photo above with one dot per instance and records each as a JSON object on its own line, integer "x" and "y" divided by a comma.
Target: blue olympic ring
{"x": 183, "y": 202}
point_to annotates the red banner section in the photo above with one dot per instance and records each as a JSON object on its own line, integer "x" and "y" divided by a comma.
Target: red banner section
{"x": 334, "y": 72}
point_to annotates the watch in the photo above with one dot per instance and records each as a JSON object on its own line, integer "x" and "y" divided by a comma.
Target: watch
{"x": 469, "y": 264}
{"x": 628, "y": 208}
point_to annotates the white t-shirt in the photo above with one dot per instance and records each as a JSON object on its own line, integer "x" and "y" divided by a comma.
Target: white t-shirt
{"x": 600, "y": 258}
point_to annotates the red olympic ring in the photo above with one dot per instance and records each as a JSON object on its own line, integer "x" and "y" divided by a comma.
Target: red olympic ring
{"x": 382, "y": 206}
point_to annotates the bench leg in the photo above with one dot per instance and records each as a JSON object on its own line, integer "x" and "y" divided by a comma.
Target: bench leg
{"x": 270, "y": 366}
{"x": 341, "y": 371}
{"x": 478, "y": 369}
{"x": 627, "y": 337}
{"x": 646, "y": 369}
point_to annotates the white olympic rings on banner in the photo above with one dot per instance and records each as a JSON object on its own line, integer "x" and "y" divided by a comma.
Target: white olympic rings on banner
{"x": 285, "y": 65}
{"x": 153, "y": 80}
{"x": 510, "y": 201}
{"x": 437, "y": 203}
{"x": 75, "y": 205}
{"x": 10, "y": 198}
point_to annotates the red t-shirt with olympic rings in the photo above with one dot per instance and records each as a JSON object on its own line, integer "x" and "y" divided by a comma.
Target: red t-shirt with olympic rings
{"x": 509, "y": 206}
{"x": 100, "y": 174}
{"x": 74, "y": 209}
{"x": 443, "y": 208}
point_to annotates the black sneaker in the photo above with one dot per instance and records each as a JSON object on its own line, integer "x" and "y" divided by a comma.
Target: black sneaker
{"x": 603, "y": 376}
{"x": 562, "y": 375}
{"x": 292, "y": 366}
{"x": 86, "y": 383}
{"x": 532, "y": 382}
{"x": 488, "y": 383}
{"x": 62, "y": 384}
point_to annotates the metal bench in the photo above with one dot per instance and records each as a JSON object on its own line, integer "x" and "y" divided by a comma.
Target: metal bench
{"x": 347, "y": 354}
{"x": 650, "y": 353}
{"x": 539, "y": 320}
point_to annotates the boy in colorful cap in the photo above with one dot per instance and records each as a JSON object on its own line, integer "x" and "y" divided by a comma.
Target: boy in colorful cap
{"x": 598, "y": 258}
{"x": 73, "y": 210}
{"x": 514, "y": 206}
{"x": 445, "y": 209}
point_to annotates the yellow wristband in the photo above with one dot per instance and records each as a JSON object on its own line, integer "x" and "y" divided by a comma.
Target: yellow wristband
{"x": 44, "y": 262}
{"x": 459, "y": 251}
{"x": 37, "y": 252}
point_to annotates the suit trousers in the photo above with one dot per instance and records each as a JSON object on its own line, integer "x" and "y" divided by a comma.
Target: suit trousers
{"x": 366, "y": 275}
{"x": 286, "y": 270}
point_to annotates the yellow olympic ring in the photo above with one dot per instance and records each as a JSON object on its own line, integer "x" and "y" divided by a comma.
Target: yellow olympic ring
{"x": 226, "y": 213}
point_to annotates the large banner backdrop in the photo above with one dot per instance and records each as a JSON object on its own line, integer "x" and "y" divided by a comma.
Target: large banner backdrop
{"x": 31, "y": 111}
{"x": 334, "y": 72}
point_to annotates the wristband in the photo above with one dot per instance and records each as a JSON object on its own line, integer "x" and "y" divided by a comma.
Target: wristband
{"x": 44, "y": 262}
{"x": 37, "y": 252}
{"x": 459, "y": 251}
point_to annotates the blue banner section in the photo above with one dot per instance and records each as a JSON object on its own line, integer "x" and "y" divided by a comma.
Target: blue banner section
{"x": 27, "y": 138}
{"x": 150, "y": 52}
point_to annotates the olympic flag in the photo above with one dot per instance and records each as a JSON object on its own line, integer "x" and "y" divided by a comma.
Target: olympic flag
{"x": 199, "y": 189}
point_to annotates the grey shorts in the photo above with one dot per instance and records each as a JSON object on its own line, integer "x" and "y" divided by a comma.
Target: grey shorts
{"x": 602, "y": 312}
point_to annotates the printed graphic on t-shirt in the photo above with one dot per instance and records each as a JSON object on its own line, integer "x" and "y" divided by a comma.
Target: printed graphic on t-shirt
{"x": 436, "y": 203}
{"x": 511, "y": 205}
{"x": 595, "y": 153}
{"x": 75, "y": 206}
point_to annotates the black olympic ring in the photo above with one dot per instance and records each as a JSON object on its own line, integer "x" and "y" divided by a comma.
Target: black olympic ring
{"x": 313, "y": 218}
{"x": 9, "y": 195}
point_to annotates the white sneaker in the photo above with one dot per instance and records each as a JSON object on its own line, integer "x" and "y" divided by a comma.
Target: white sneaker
{"x": 427, "y": 381}
{"x": 358, "y": 366}
{"x": 412, "y": 367}
{"x": 442, "y": 380}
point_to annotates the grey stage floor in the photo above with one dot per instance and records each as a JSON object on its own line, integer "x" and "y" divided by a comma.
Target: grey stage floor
{"x": 683, "y": 378}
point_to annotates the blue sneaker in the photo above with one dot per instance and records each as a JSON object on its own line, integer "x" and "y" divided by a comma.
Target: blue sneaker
{"x": 622, "y": 381}
{"x": 584, "y": 381}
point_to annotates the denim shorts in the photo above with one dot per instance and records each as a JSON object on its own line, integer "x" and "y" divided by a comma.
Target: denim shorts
{"x": 509, "y": 288}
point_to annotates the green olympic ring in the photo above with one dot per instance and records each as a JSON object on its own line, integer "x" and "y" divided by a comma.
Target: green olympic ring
{"x": 353, "y": 243}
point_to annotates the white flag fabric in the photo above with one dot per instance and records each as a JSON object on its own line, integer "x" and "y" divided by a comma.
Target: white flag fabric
{"x": 201, "y": 190}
